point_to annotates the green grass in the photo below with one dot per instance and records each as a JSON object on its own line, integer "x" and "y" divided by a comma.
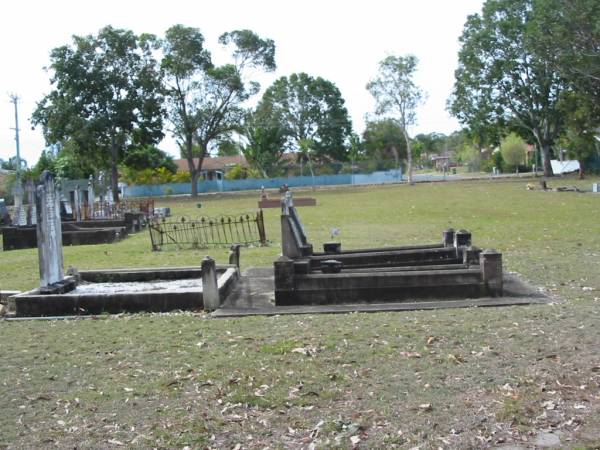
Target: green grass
{"x": 491, "y": 376}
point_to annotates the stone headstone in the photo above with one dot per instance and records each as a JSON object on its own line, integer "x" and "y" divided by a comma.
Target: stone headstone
{"x": 91, "y": 197}
{"x": 287, "y": 202}
{"x": 77, "y": 201}
{"x": 20, "y": 215}
{"x": 49, "y": 232}
{"x": 66, "y": 209}
{"x": 31, "y": 216}
{"x": 101, "y": 187}
{"x": 109, "y": 196}
{"x": 4, "y": 216}
{"x": 596, "y": 187}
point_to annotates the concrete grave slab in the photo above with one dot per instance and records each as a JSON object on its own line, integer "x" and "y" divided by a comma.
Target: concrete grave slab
{"x": 254, "y": 295}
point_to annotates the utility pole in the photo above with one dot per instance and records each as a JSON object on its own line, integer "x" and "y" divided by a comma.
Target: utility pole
{"x": 15, "y": 100}
{"x": 19, "y": 217}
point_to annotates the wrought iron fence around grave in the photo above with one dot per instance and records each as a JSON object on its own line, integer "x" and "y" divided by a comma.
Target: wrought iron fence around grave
{"x": 115, "y": 211}
{"x": 203, "y": 232}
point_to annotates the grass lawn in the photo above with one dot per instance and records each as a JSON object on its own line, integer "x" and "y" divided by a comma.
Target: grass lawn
{"x": 470, "y": 378}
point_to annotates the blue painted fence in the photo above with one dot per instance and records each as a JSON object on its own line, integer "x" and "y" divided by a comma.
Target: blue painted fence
{"x": 157, "y": 190}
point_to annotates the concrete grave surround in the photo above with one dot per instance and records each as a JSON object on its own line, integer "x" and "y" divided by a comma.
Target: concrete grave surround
{"x": 36, "y": 303}
{"x": 451, "y": 274}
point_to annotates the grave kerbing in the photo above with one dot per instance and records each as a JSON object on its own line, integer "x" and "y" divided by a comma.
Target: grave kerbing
{"x": 49, "y": 232}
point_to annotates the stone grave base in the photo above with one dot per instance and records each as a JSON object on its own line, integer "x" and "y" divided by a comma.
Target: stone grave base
{"x": 125, "y": 290}
{"x": 255, "y": 295}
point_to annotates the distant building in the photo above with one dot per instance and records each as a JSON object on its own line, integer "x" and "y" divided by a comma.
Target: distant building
{"x": 215, "y": 167}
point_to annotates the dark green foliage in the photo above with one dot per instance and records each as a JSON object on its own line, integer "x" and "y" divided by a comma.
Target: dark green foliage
{"x": 568, "y": 32}
{"x": 266, "y": 141}
{"x": 581, "y": 126}
{"x": 149, "y": 157}
{"x": 505, "y": 75}
{"x": 205, "y": 102}
{"x": 311, "y": 113}
{"x": 228, "y": 147}
{"x": 384, "y": 140}
{"x": 106, "y": 96}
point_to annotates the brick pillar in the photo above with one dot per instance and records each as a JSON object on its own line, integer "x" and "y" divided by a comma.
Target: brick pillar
{"x": 471, "y": 255}
{"x": 284, "y": 274}
{"x": 234, "y": 255}
{"x": 490, "y": 262}
{"x": 462, "y": 238}
{"x": 210, "y": 287}
{"x": 448, "y": 237}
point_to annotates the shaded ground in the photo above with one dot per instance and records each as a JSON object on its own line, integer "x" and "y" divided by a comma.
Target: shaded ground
{"x": 471, "y": 378}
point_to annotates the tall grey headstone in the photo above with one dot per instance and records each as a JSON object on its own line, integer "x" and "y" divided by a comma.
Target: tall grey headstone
{"x": 101, "y": 187}
{"x": 77, "y": 200}
{"x": 32, "y": 215}
{"x": 91, "y": 197}
{"x": 109, "y": 195}
{"x": 20, "y": 216}
{"x": 101, "y": 194}
{"x": 287, "y": 202}
{"x": 49, "y": 232}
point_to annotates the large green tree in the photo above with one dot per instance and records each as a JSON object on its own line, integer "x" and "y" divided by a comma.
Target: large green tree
{"x": 384, "y": 139}
{"x": 568, "y": 31}
{"x": 205, "y": 101}
{"x": 398, "y": 96}
{"x": 582, "y": 126}
{"x": 265, "y": 141}
{"x": 506, "y": 76}
{"x": 106, "y": 96}
{"x": 312, "y": 113}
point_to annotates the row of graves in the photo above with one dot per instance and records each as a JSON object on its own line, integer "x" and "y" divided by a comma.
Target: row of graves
{"x": 450, "y": 273}
{"x": 88, "y": 213}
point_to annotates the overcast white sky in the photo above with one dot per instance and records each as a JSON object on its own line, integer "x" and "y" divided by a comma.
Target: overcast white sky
{"x": 342, "y": 41}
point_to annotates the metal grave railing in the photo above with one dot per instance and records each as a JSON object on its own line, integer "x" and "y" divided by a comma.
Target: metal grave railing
{"x": 203, "y": 232}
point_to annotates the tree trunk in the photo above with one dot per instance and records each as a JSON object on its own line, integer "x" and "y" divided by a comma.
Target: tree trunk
{"x": 409, "y": 164}
{"x": 545, "y": 152}
{"x": 581, "y": 170}
{"x": 195, "y": 175}
{"x": 114, "y": 172}
{"x": 195, "y": 171}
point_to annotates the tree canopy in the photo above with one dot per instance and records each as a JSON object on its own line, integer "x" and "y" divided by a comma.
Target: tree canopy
{"x": 384, "y": 139}
{"x": 568, "y": 32}
{"x": 506, "y": 75}
{"x": 206, "y": 101}
{"x": 106, "y": 96}
{"x": 311, "y": 112}
{"x": 397, "y": 95}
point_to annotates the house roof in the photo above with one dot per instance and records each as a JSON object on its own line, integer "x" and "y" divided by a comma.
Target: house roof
{"x": 213, "y": 163}
{"x": 224, "y": 162}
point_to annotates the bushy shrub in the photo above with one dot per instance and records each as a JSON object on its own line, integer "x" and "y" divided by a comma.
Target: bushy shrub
{"x": 182, "y": 177}
{"x": 495, "y": 160}
{"x": 513, "y": 150}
